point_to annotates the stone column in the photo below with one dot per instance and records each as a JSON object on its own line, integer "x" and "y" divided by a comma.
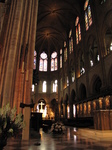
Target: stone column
{"x": 25, "y": 134}
{"x": 20, "y": 75}
{"x": 12, "y": 55}
{"x": 71, "y": 110}
{"x": 29, "y": 67}
{"x": 5, "y": 40}
{"x": 30, "y": 56}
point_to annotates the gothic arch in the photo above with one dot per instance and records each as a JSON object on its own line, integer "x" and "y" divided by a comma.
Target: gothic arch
{"x": 41, "y": 100}
{"x": 95, "y": 85}
{"x": 73, "y": 96}
{"x": 82, "y": 92}
{"x": 53, "y": 103}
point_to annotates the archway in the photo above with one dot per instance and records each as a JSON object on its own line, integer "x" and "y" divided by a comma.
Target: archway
{"x": 82, "y": 92}
{"x": 54, "y": 107}
{"x": 66, "y": 107}
{"x": 72, "y": 104}
{"x": 96, "y": 88}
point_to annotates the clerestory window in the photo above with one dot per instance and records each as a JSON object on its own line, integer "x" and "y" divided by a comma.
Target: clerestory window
{"x": 54, "y": 65}
{"x": 43, "y": 62}
{"x": 88, "y": 15}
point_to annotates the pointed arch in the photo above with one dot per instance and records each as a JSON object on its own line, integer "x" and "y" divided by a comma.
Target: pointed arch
{"x": 82, "y": 92}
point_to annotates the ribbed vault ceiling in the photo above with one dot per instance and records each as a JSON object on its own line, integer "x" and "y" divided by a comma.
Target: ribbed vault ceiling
{"x": 55, "y": 19}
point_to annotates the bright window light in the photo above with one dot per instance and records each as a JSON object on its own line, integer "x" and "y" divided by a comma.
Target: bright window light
{"x": 98, "y": 57}
{"x": 55, "y": 86}
{"x": 33, "y": 87}
{"x": 111, "y": 46}
{"x": 44, "y": 86}
{"x": 74, "y": 111}
{"x": 91, "y": 63}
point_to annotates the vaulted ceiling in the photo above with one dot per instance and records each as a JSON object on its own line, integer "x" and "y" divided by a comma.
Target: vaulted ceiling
{"x": 55, "y": 19}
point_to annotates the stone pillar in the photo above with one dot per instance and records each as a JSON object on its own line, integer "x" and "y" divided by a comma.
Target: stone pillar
{"x": 20, "y": 75}
{"x": 21, "y": 30}
{"x": 12, "y": 55}
{"x": 29, "y": 64}
{"x": 5, "y": 41}
{"x": 25, "y": 134}
{"x": 65, "y": 110}
{"x": 30, "y": 56}
{"x": 71, "y": 110}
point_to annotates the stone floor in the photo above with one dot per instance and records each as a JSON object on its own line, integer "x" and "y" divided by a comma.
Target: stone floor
{"x": 66, "y": 141}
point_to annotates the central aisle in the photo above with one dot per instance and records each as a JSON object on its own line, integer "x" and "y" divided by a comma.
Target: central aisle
{"x": 66, "y": 141}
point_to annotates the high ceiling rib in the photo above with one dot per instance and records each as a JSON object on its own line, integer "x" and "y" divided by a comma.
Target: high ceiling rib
{"x": 55, "y": 19}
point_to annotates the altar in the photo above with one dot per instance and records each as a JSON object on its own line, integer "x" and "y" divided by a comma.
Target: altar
{"x": 36, "y": 121}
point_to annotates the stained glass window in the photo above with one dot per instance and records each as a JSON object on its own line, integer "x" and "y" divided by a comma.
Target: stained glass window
{"x": 60, "y": 58}
{"x": 65, "y": 51}
{"x": 70, "y": 42}
{"x": 34, "y": 64}
{"x": 70, "y": 33}
{"x": 64, "y": 43}
{"x": 77, "y": 39}
{"x": 43, "y": 62}
{"x": 86, "y": 4}
{"x": 88, "y": 15}
{"x": 70, "y": 49}
{"x": 41, "y": 65}
{"x": 78, "y": 30}
{"x": 86, "y": 21}
{"x": 54, "y": 65}
{"x": 45, "y": 65}
{"x": 65, "y": 54}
